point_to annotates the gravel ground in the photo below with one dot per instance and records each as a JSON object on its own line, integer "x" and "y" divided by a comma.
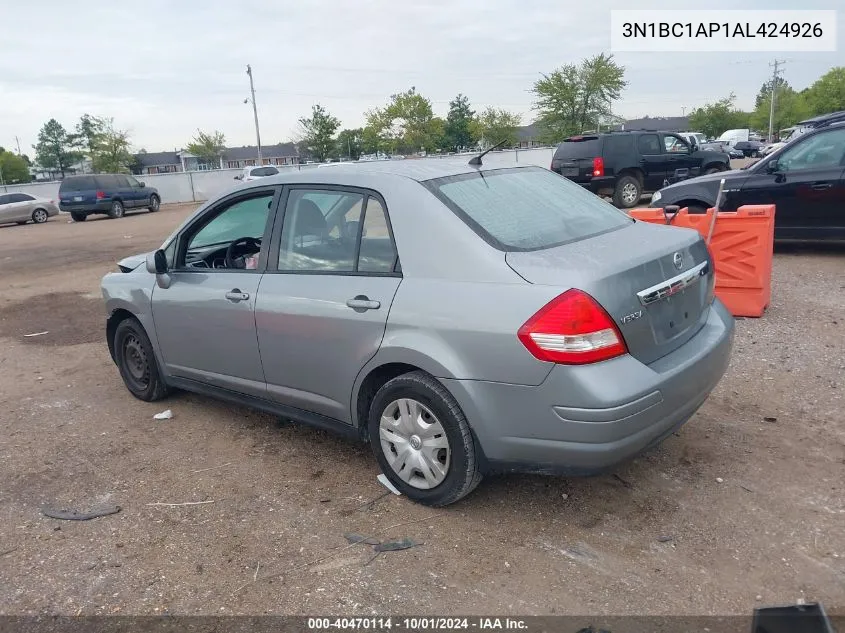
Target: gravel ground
{"x": 742, "y": 507}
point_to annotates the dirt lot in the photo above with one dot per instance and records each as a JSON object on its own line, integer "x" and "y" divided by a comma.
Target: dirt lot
{"x": 750, "y": 491}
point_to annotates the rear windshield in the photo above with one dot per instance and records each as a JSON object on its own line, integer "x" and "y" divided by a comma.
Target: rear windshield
{"x": 587, "y": 148}
{"x": 526, "y": 208}
{"x": 78, "y": 183}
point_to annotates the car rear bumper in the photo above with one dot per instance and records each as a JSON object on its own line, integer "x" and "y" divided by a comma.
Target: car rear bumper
{"x": 585, "y": 419}
{"x": 102, "y": 206}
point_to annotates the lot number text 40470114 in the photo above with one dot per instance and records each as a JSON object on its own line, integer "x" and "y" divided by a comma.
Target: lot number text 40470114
{"x": 423, "y": 623}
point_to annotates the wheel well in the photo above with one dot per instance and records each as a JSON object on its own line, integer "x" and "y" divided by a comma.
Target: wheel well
{"x": 632, "y": 171}
{"x": 717, "y": 165}
{"x": 372, "y": 383}
{"x": 114, "y": 320}
{"x": 692, "y": 203}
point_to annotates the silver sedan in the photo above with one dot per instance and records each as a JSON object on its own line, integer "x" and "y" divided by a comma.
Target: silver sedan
{"x": 462, "y": 320}
{"x": 23, "y": 208}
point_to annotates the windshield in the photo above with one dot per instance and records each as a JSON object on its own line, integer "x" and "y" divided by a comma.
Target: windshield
{"x": 526, "y": 208}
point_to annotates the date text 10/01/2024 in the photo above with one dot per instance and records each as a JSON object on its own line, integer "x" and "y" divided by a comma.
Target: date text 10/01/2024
{"x": 722, "y": 29}
{"x": 416, "y": 624}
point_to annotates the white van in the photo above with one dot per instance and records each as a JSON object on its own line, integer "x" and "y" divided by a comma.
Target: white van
{"x": 729, "y": 137}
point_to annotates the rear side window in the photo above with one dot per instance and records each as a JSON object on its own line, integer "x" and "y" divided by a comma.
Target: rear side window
{"x": 522, "y": 209}
{"x": 5, "y": 199}
{"x": 589, "y": 147}
{"x": 622, "y": 143}
{"x": 649, "y": 145}
{"x": 107, "y": 181}
{"x": 78, "y": 183}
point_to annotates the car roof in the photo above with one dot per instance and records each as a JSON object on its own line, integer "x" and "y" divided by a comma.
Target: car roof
{"x": 831, "y": 116}
{"x": 418, "y": 170}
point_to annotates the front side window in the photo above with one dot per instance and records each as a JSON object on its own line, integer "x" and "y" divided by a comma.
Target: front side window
{"x": 822, "y": 151}
{"x": 133, "y": 182}
{"x": 526, "y": 208}
{"x": 674, "y": 145}
{"x": 242, "y": 218}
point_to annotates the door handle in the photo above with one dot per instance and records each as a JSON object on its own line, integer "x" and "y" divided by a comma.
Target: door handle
{"x": 236, "y": 295}
{"x": 820, "y": 186}
{"x": 362, "y": 303}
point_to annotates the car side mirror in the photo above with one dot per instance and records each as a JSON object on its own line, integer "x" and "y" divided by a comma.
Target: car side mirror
{"x": 771, "y": 166}
{"x": 157, "y": 263}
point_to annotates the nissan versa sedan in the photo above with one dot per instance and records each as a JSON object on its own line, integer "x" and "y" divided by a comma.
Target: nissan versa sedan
{"x": 23, "y": 208}
{"x": 461, "y": 319}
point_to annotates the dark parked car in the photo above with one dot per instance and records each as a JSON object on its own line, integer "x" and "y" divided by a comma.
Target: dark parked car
{"x": 749, "y": 149}
{"x": 627, "y": 164}
{"x": 805, "y": 180}
{"x": 110, "y": 194}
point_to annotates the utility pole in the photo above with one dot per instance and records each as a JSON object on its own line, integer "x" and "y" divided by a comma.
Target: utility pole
{"x": 775, "y": 64}
{"x": 18, "y": 143}
{"x": 254, "y": 111}
{"x": 683, "y": 110}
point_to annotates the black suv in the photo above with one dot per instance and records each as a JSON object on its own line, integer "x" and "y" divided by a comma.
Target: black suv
{"x": 804, "y": 179}
{"x": 111, "y": 194}
{"x": 627, "y": 164}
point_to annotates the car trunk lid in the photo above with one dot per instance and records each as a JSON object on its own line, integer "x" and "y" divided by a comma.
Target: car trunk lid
{"x": 656, "y": 282}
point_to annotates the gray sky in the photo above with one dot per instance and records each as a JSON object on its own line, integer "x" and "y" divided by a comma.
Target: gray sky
{"x": 163, "y": 68}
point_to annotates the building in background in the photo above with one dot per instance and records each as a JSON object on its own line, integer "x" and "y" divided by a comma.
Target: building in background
{"x": 232, "y": 158}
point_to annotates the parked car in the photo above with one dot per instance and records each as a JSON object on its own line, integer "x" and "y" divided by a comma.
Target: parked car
{"x": 695, "y": 139}
{"x": 109, "y": 194}
{"x": 793, "y": 133}
{"x": 805, "y": 180}
{"x": 624, "y": 165}
{"x": 532, "y": 330}
{"x": 23, "y": 208}
{"x": 749, "y": 149}
{"x": 254, "y": 173}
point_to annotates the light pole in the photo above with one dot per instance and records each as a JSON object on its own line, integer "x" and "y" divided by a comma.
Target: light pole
{"x": 254, "y": 110}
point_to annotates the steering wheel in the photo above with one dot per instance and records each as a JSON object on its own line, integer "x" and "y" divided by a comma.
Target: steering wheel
{"x": 250, "y": 244}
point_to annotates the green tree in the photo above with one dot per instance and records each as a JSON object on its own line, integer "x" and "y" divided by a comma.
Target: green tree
{"x": 111, "y": 151}
{"x": 378, "y": 134}
{"x": 88, "y": 132}
{"x": 318, "y": 133}
{"x": 714, "y": 118}
{"x": 407, "y": 123}
{"x": 576, "y": 97}
{"x": 13, "y": 168}
{"x": 495, "y": 125}
{"x": 350, "y": 143}
{"x": 766, "y": 90}
{"x": 56, "y": 149}
{"x": 458, "y": 133}
{"x": 208, "y": 147}
{"x": 135, "y": 165}
{"x": 790, "y": 107}
{"x": 827, "y": 94}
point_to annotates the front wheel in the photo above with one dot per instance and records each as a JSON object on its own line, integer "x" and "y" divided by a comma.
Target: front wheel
{"x": 136, "y": 361}
{"x": 39, "y": 216}
{"x": 712, "y": 170}
{"x": 116, "y": 210}
{"x": 627, "y": 193}
{"x": 422, "y": 441}
{"x": 155, "y": 203}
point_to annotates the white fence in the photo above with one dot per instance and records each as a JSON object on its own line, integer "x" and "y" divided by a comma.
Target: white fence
{"x": 198, "y": 186}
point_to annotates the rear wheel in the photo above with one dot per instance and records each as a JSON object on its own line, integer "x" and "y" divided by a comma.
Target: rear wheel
{"x": 116, "y": 210}
{"x": 628, "y": 191}
{"x": 39, "y": 216}
{"x": 78, "y": 217}
{"x": 137, "y": 363}
{"x": 155, "y": 203}
{"x": 422, "y": 441}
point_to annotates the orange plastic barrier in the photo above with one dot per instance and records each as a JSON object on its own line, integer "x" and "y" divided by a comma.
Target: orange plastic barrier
{"x": 742, "y": 247}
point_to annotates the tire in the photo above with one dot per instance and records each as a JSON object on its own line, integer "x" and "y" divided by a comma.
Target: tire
{"x": 627, "y": 192}
{"x": 417, "y": 391}
{"x": 78, "y": 217}
{"x": 712, "y": 170}
{"x": 155, "y": 203}
{"x": 39, "y": 216}
{"x": 136, "y": 361}
{"x": 116, "y": 210}
{"x": 696, "y": 209}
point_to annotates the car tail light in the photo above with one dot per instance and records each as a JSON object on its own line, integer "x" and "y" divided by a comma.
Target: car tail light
{"x": 598, "y": 166}
{"x": 572, "y": 329}
{"x": 101, "y": 195}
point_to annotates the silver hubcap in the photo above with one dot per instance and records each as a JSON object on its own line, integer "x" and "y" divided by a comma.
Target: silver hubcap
{"x": 155, "y": 204}
{"x": 117, "y": 210}
{"x": 414, "y": 443}
{"x": 40, "y": 216}
{"x": 629, "y": 193}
